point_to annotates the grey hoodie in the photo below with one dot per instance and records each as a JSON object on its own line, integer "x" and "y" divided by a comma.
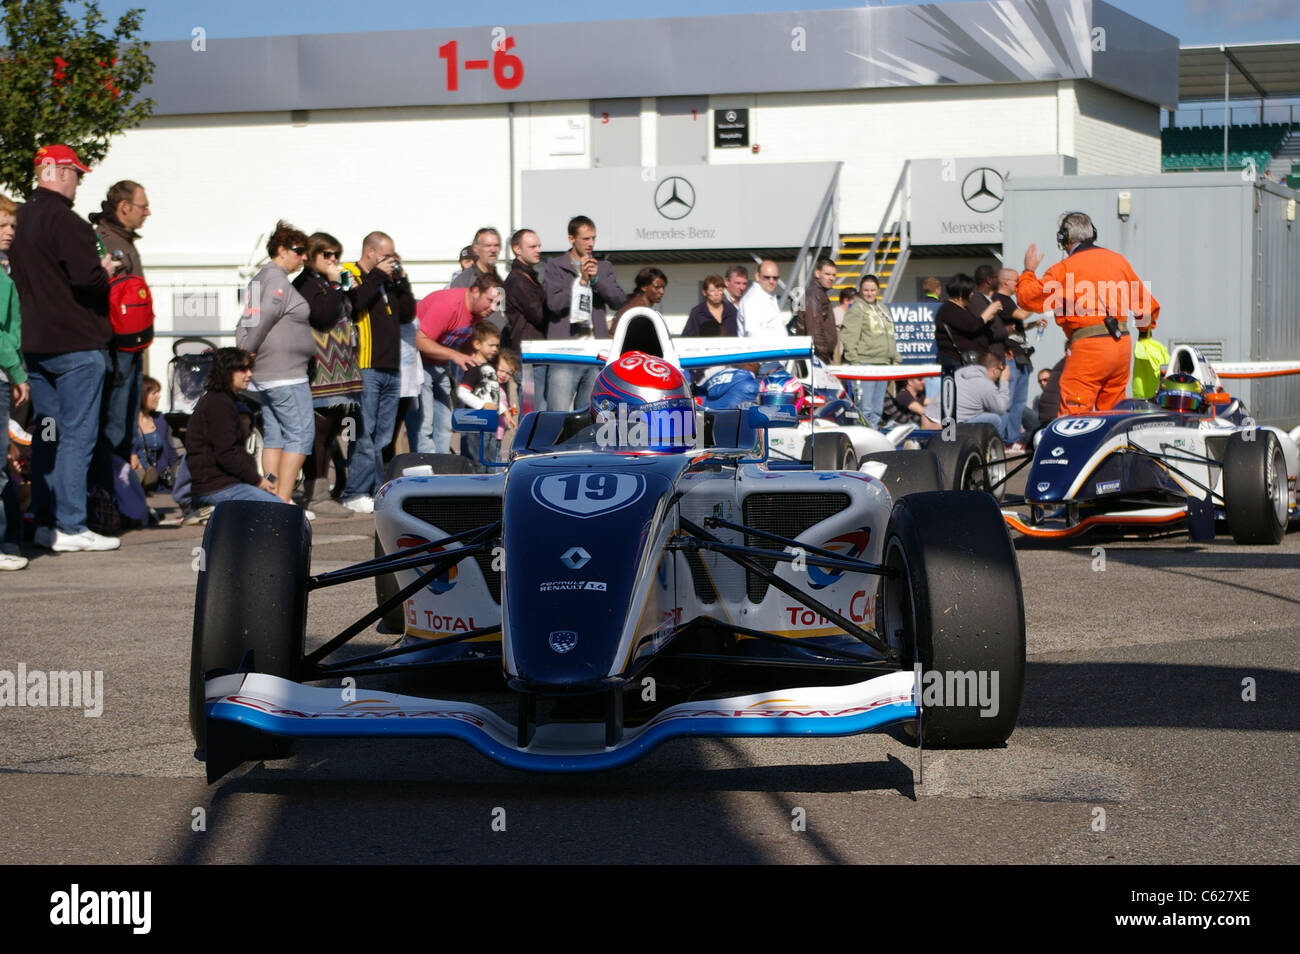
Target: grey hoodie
{"x": 976, "y": 394}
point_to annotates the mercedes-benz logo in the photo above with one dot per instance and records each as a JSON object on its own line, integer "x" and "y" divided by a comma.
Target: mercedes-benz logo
{"x": 982, "y": 189}
{"x": 730, "y": 115}
{"x": 674, "y": 197}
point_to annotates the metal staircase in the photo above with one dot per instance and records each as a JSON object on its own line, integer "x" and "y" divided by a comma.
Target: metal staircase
{"x": 889, "y": 248}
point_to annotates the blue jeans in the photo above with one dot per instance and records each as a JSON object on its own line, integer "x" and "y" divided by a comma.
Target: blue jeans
{"x": 6, "y": 395}
{"x": 120, "y": 408}
{"x": 985, "y": 417}
{"x": 434, "y": 433}
{"x": 568, "y": 387}
{"x": 67, "y": 391}
{"x": 871, "y": 400}
{"x": 1010, "y": 427}
{"x": 380, "y": 392}
{"x": 240, "y": 491}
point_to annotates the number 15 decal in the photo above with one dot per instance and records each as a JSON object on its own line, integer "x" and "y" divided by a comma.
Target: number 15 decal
{"x": 588, "y": 493}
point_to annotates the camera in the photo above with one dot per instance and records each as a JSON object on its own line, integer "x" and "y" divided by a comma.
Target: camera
{"x": 397, "y": 272}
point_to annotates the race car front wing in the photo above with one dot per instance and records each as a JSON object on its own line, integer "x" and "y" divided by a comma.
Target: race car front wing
{"x": 250, "y": 715}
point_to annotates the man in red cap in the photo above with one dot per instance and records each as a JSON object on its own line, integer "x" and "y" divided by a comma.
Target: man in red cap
{"x": 63, "y": 286}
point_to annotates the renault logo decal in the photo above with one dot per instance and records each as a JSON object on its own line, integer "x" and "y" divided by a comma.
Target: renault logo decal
{"x": 982, "y": 189}
{"x": 674, "y": 197}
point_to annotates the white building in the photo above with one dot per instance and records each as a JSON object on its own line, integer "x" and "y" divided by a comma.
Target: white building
{"x": 791, "y": 129}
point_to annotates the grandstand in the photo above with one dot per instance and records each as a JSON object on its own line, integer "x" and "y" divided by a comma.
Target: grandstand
{"x": 1200, "y": 148}
{"x": 1264, "y": 74}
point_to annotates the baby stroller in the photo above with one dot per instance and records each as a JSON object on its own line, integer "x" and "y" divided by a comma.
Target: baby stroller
{"x": 187, "y": 372}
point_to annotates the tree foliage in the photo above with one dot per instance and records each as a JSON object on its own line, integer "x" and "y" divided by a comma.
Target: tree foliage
{"x": 63, "y": 80}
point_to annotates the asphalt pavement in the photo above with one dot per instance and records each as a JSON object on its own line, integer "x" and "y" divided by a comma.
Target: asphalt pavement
{"x": 1159, "y": 726}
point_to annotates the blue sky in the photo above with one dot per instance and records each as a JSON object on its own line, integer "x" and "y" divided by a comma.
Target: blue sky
{"x": 1192, "y": 21}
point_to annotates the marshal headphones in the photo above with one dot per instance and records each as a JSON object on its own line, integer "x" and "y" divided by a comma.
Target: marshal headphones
{"x": 1063, "y": 233}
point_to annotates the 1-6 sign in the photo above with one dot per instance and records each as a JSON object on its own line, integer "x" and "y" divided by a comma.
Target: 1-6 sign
{"x": 507, "y": 69}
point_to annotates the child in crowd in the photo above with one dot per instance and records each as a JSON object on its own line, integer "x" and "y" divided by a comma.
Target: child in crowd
{"x": 509, "y": 366}
{"x": 480, "y": 388}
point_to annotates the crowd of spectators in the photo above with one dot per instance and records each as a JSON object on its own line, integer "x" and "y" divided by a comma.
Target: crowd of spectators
{"x": 341, "y": 353}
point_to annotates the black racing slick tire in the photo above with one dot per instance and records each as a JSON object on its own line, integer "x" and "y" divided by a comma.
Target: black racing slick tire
{"x": 251, "y": 595}
{"x": 991, "y": 478}
{"x": 832, "y": 452}
{"x": 1255, "y": 488}
{"x": 386, "y": 583}
{"x": 908, "y": 472}
{"x": 959, "y": 460}
{"x": 955, "y": 606}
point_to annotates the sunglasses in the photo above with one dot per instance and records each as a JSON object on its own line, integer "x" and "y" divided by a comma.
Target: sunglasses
{"x": 298, "y": 249}
{"x": 330, "y": 253}
{"x": 768, "y": 278}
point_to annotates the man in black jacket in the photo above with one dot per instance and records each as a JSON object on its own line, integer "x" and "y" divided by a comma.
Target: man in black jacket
{"x": 525, "y": 297}
{"x": 63, "y": 286}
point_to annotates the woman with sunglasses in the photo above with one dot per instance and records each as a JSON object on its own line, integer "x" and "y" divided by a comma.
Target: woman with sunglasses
{"x": 221, "y": 468}
{"x": 275, "y": 328}
{"x": 335, "y": 375}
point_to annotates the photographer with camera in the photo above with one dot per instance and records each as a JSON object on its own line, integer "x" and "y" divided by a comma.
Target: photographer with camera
{"x": 381, "y": 302}
{"x": 1018, "y": 352}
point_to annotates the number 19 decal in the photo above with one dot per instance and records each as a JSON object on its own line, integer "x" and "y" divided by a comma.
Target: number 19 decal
{"x": 588, "y": 493}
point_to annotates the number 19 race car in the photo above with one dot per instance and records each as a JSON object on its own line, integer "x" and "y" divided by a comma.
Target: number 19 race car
{"x": 638, "y": 571}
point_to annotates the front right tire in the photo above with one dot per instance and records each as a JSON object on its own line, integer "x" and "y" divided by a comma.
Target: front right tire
{"x": 1255, "y": 488}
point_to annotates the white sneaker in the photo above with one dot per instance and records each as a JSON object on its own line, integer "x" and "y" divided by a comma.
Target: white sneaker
{"x": 360, "y": 504}
{"x": 11, "y": 562}
{"x": 45, "y": 538}
{"x": 310, "y": 515}
{"x": 85, "y": 540}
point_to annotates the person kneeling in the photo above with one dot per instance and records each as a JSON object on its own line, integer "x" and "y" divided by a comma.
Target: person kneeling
{"x": 221, "y": 468}
{"x": 982, "y": 392}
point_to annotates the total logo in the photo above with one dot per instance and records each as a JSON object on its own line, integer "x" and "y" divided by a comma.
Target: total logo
{"x": 850, "y": 545}
{"x": 445, "y": 581}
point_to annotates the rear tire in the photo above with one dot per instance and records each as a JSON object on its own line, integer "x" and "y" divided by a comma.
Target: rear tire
{"x": 1254, "y": 488}
{"x": 386, "y": 583}
{"x": 833, "y": 452}
{"x": 251, "y": 595}
{"x": 959, "y": 460}
{"x": 992, "y": 452}
{"x": 908, "y": 472}
{"x": 956, "y": 607}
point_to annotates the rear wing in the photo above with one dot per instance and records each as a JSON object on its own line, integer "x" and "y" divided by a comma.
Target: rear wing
{"x": 686, "y": 353}
{"x": 883, "y": 372}
{"x": 1255, "y": 369}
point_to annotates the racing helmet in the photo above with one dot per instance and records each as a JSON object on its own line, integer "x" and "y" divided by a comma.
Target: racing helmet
{"x": 783, "y": 389}
{"x": 1181, "y": 392}
{"x": 641, "y": 402}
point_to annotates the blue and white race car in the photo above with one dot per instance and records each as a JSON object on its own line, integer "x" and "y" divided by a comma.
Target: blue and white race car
{"x": 626, "y": 593}
{"x": 1192, "y": 455}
